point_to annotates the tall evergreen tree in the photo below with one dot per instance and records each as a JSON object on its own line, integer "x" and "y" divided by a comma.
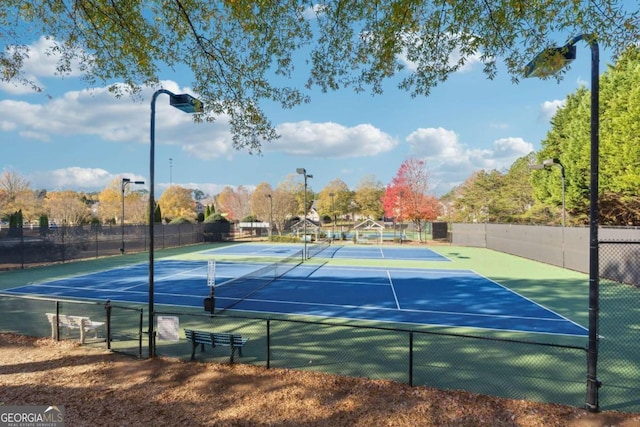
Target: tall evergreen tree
{"x": 569, "y": 141}
{"x": 157, "y": 214}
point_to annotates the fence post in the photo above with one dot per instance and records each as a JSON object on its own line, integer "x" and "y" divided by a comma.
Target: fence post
{"x": 57, "y": 337}
{"x": 140, "y": 325}
{"x": 22, "y": 248}
{"x": 107, "y": 307}
{"x": 268, "y": 343}
{"x": 411, "y": 358}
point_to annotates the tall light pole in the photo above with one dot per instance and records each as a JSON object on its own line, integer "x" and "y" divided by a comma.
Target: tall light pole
{"x": 401, "y": 193}
{"x": 303, "y": 171}
{"x": 123, "y": 186}
{"x": 354, "y": 207}
{"x": 188, "y": 104}
{"x": 333, "y": 210}
{"x": 270, "y": 214}
{"x": 547, "y": 63}
{"x": 170, "y": 172}
{"x": 548, "y": 164}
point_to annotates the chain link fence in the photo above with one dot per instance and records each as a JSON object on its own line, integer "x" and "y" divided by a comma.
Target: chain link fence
{"x": 619, "y": 324}
{"x": 114, "y": 327}
{"x": 542, "y": 368}
{"x": 518, "y": 369}
{"x": 24, "y": 247}
{"x": 506, "y": 366}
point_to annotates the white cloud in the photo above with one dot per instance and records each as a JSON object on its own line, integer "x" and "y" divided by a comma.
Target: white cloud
{"x": 43, "y": 59}
{"x": 312, "y": 12}
{"x": 72, "y": 177}
{"x": 98, "y": 116}
{"x": 14, "y": 88}
{"x": 454, "y": 57}
{"x": 98, "y": 113}
{"x": 508, "y": 148}
{"x": 329, "y": 139}
{"x": 451, "y": 162}
{"x": 434, "y": 143}
{"x": 6, "y": 125}
{"x": 35, "y": 135}
{"x": 549, "y": 108}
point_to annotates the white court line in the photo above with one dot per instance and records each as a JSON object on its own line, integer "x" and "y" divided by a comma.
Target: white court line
{"x": 408, "y": 310}
{"x": 158, "y": 279}
{"x": 529, "y": 299}
{"x": 393, "y": 289}
{"x": 324, "y": 282}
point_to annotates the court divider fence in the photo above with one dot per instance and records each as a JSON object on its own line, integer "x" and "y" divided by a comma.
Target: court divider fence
{"x": 499, "y": 366}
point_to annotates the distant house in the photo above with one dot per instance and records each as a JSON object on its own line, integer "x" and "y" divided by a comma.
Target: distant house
{"x": 199, "y": 207}
{"x": 313, "y": 214}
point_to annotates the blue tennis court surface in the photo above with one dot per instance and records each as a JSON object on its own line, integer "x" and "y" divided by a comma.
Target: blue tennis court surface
{"x": 334, "y": 251}
{"x": 400, "y": 295}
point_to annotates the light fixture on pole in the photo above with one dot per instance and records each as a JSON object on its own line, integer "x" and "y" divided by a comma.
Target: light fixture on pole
{"x": 545, "y": 64}
{"x": 123, "y": 186}
{"x": 548, "y": 164}
{"x": 270, "y": 214}
{"x": 188, "y": 104}
{"x": 303, "y": 171}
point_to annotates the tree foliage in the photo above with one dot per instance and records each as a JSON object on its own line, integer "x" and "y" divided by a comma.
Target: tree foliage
{"x": 66, "y": 207}
{"x": 619, "y": 165}
{"x": 333, "y": 199}
{"x": 110, "y": 202}
{"x": 368, "y": 195}
{"x": 494, "y": 196}
{"x": 408, "y": 196}
{"x": 177, "y": 202}
{"x": 261, "y": 202}
{"x": 16, "y": 195}
{"x": 284, "y": 205}
{"x": 234, "y": 203}
{"x": 243, "y": 53}
{"x": 475, "y": 199}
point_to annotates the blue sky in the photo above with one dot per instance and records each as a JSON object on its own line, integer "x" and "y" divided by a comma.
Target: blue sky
{"x": 79, "y": 138}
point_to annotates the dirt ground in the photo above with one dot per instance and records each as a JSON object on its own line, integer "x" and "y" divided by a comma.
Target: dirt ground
{"x": 97, "y": 387}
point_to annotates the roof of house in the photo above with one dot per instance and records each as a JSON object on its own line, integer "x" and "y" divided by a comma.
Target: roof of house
{"x": 369, "y": 224}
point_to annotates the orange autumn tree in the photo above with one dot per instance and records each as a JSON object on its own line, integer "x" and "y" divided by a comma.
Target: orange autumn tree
{"x": 408, "y": 196}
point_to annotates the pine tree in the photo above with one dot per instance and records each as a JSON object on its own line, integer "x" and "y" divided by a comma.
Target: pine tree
{"x": 157, "y": 214}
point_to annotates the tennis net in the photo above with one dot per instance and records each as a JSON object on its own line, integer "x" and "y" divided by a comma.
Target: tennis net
{"x": 236, "y": 290}
{"x": 318, "y": 247}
